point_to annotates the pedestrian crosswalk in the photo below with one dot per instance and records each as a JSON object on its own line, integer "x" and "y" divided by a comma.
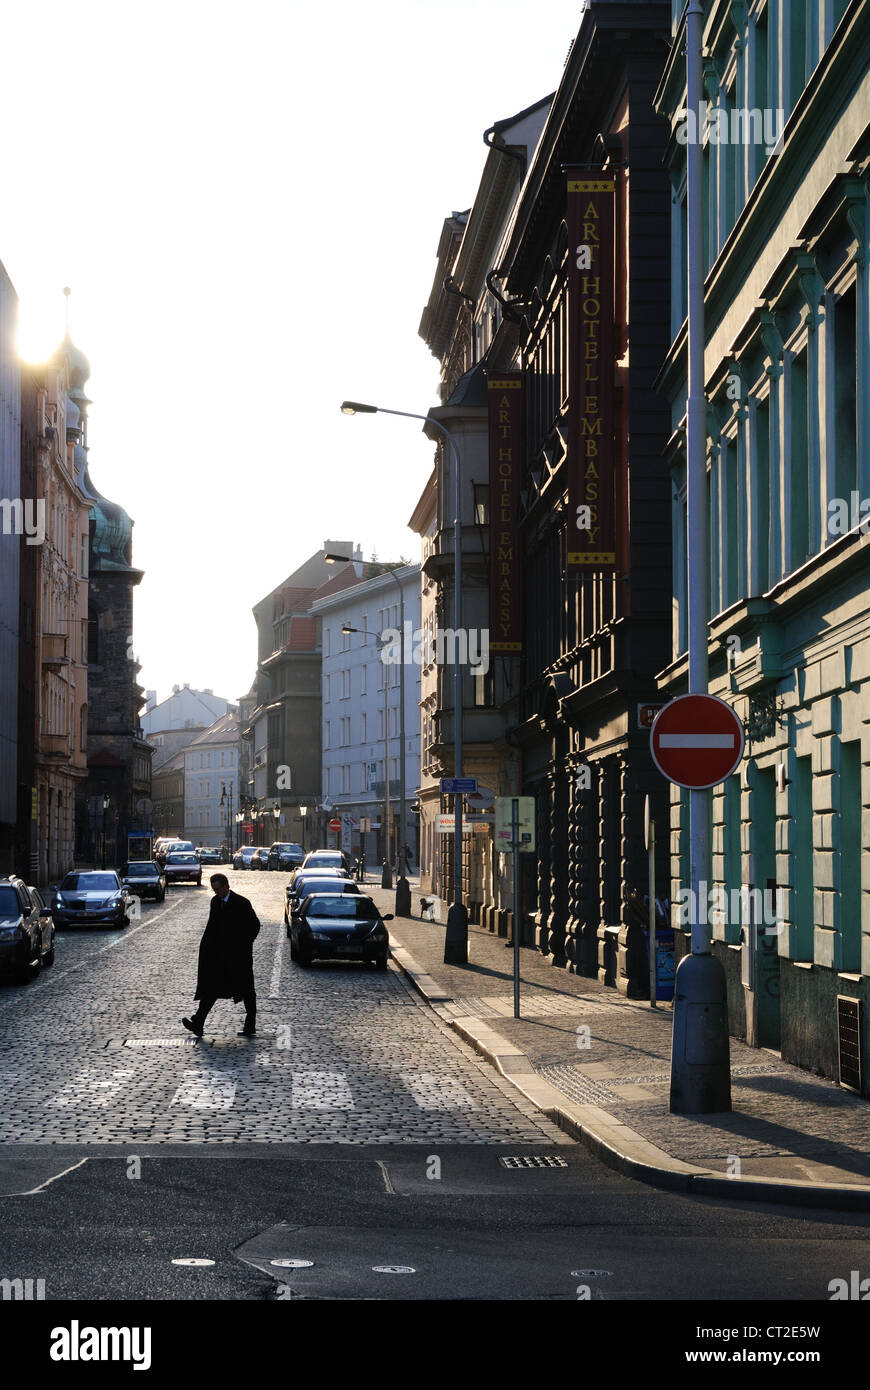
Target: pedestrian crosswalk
{"x": 305, "y": 1089}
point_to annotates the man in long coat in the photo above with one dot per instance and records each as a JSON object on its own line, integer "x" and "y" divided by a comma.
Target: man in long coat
{"x": 226, "y": 964}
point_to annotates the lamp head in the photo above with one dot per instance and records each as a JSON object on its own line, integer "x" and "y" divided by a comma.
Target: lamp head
{"x": 355, "y": 408}
{"x": 337, "y": 559}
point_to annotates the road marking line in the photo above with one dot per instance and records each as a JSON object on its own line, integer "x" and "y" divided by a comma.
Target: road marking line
{"x": 320, "y": 1090}
{"x": 32, "y": 1192}
{"x": 276, "y": 968}
{"x": 202, "y": 1091}
{"x": 432, "y": 1092}
{"x": 90, "y": 1087}
{"x": 387, "y": 1179}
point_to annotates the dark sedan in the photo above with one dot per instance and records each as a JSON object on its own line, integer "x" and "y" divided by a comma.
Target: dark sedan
{"x": 26, "y": 930}
{"x": 209, "y": 855}
{"x": 145, "y": 879}
{"x": 339, "y": 926}
{"x": 183, "y": 868}
{"x": 314, "y": 883}
{"x": 242, "y": 857}
{"x": 260, "y": 858}
{"x": 285, "y": 855}
{"x": 89, "y": 898}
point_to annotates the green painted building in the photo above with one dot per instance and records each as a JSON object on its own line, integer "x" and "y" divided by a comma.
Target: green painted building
{"x": 786, "y": 135}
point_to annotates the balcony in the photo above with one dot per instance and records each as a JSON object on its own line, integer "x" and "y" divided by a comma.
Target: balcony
{"x": 54, "y": 746}
{"x": 53, "y": 651}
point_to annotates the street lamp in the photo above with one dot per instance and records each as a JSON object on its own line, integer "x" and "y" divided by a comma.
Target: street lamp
{"x": 303, "y": 811}
{"x": 456, "y": 935}
{"x": 227, "y": 800}
{"x": 403, "y": 890}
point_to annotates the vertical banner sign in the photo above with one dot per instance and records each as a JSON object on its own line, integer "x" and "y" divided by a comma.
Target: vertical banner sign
{"x": 591, "y": 511}
{"x": 505, "y": 399}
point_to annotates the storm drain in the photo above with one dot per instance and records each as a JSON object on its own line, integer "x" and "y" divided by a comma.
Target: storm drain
{"x": 533, "y": 1161}
{"x": 161, "y": 1042}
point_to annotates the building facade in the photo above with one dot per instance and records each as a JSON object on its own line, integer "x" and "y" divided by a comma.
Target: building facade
{"x": 361, "y": 709}
{"x": 10, "y": 559}
{"x": 211, "y": 781}
{"x": 787, "y": 383}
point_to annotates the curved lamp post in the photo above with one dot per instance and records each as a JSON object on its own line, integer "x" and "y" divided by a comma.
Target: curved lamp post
{"x": 456, "y": 936}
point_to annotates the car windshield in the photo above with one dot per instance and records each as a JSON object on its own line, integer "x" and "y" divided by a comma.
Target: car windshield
{"x": 182, "y": 859}
{"x": 89, "y": 883}
{"x": 359, "y": 909}
{"x": 142, "y": 870}
{"x": 324, "y": 857}
{"x": 9, "y": 904}
{"x": 247, "y": 851}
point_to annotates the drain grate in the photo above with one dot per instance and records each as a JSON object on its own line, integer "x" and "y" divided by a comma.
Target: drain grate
{"x": 533, "y": 1161}
{"x": 161, "y": 1042}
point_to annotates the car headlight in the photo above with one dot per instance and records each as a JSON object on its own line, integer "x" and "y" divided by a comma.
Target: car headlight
{"x": 320, "y": 935}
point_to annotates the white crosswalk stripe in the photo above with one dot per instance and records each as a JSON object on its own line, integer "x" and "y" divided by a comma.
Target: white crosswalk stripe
{"x": 90, "y": 1087}
{"x": 321, "y": 1090}
{"x": 433, "y": 1092}
{"x": 202, "y": 1091}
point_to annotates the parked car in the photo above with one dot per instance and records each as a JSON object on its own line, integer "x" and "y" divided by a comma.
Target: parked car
{"x": 285, "y": 855}
{"x": 208, "y": 855}
{"x": 327, "y": 859}
{"x": 242, "y": 857}
{"x": 314, "y": 883}
{"x": 182, "y": 866}
{"x": 145, "y": 879}
{"x": 26, "y": 930}
{"x": 93, "y": 897}
{"x": 321, "y": 870}
{"x": 259, "y": 859}
{"x": 339, "y": 926}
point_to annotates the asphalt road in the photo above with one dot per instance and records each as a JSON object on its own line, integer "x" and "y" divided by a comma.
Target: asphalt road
{"x": 355, "y": 1138}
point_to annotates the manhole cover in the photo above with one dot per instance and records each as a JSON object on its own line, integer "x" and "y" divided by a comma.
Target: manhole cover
{"x": 193, "y": 1262}
{"x": 591, "y": 1273}
{"x": 534, "y": 1161}
{"x": 292, "y": 1264}
{"x": 394, "y": 1269}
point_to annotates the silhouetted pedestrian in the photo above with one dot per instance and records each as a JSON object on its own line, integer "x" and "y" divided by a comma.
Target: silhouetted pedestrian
{"x": 226, "y": 962}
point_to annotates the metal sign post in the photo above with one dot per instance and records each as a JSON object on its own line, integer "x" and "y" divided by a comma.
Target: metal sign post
{"x": 515, "y": 845}
{"x": 650, "y": 835}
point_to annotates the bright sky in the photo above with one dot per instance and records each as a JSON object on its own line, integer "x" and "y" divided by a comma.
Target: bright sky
{"x": 246, "y": 201}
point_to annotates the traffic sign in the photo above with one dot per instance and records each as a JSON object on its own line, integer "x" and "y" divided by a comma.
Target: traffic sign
{"x": 335, "y": 824}
{"x": 504, "y": 823}
{"x": 458, "y": 786}
{"x": 696, "y": 741}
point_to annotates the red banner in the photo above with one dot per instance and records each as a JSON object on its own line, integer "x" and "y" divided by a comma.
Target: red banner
{"x": 505, "y": 399}
{"x": 591, "y": 510}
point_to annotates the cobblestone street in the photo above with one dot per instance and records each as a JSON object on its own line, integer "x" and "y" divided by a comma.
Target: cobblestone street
{"x": 94, "y": 1050}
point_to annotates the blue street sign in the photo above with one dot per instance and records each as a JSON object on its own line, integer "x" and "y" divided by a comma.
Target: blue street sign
{"x": 458, "y": 786}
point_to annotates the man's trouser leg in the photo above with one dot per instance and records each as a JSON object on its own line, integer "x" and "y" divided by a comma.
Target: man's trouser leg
{"x": 250, "y": 1003}
{"x": 204, "y": 1008}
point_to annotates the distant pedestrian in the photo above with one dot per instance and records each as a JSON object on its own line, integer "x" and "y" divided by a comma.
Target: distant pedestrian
{"x": 226, "y": 963}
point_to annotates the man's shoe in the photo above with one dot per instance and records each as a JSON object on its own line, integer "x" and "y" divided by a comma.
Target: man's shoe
{"x": 192, "y": 1027}
{"x": 247, "y": 1032}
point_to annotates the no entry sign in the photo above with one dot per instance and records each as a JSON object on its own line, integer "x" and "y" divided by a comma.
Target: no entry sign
{"x": 696, "y": 741}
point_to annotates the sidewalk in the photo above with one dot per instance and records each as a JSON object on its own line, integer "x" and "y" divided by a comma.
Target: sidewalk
{"x": 789, "y": 1137}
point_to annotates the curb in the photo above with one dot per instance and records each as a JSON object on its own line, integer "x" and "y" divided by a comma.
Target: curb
{"x": 612, "y": 1142}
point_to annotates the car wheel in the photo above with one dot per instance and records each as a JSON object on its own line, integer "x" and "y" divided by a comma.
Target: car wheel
{"x": 294, "y": 954}
{"x": 162, "y": 896}
{"x": 48, "y": 958}
{"x": 304, "y": 958}
{"x": 30, "y": 971}
{"x": 381, "y": 962}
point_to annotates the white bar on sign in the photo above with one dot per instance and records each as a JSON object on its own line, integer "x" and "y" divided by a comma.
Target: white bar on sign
{"x": 696, "y": 740}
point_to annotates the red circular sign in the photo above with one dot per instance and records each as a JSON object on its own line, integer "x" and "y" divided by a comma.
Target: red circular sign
{"x": 335, "y": 825}
{"x": 696, "y": 741}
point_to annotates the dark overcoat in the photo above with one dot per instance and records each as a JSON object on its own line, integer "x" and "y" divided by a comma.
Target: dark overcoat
{"x": 226, "y": 963}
